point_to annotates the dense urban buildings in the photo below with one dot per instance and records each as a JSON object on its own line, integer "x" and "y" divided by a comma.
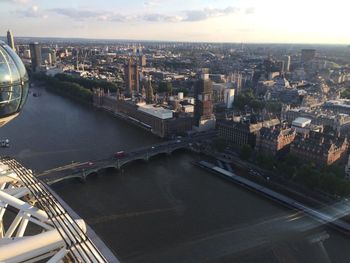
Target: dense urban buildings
{"x": 273, "y": 116}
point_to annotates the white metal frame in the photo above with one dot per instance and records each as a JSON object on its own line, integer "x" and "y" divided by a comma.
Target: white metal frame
{"x": 33, "y": 224}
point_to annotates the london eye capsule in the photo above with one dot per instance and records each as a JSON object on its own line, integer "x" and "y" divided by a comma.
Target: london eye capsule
{"x": 14, "y": 84}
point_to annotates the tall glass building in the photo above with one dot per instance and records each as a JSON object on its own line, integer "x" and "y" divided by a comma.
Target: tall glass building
{"x": 14, "y": 84}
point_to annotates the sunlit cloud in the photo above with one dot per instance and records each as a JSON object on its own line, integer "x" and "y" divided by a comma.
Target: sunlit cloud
{"x": 32, "y": 12}
{"x": 183, "y": 16}
{"x": 193, "y": 20}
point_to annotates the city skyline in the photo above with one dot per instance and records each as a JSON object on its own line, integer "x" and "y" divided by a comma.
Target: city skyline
{"x": 193, "y": 21}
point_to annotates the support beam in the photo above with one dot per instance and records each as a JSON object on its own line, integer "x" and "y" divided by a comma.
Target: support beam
{"x": 58, "y": 256}
{"x": 31, "y": 247}
{"x": 23, "y": 206}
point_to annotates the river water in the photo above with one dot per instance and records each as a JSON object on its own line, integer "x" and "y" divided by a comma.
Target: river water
{"x": 165, "y": 210}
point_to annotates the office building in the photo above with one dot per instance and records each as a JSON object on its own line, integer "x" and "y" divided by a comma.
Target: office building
{"x": 229, "y": 98}
{"x": 35, "y": 52}
{"x": 53, "y": 57}
{"x": 10, "y": 40}
{"x": 307, "y": 55}
{"x": 286, "y": 60}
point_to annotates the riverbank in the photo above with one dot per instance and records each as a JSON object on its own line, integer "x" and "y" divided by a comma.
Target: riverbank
{"x": 329, "y": 217}
{"x": 307, "y": 198}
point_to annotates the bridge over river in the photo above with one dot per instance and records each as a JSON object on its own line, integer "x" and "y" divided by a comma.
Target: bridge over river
{"x": 83, "y": 169}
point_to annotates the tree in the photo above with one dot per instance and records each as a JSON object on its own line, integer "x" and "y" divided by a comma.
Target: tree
{"x": 184, "y": 90}
{"x": 257, "y": 105}
{"x": 88, "y": 83}
{"x": 265, "y": 161}
{"x": 274, "y": 107}
{"x": 241, "y": 100}
{"x": 70, "y": 89}
{"x": 247, "y": 98}
{"x": 219, "y": 144}
{"x": 246, "y": 152}
{"x": 346, "y": 94}
{"x": 165, "y": 86}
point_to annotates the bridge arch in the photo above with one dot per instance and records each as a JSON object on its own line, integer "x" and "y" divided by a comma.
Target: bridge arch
{"x": 182, "y": 148}
{"x": 61, "y": 179}
{"x": 138, "y": 159}
{"x": 158, "y": 154}
{"x": 91, "y": 174}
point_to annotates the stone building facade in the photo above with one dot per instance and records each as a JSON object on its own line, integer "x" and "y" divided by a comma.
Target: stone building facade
{"x": 241, "y": 133}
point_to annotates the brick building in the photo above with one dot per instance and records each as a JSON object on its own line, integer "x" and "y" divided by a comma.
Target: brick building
{"x": 322, "y": 149}
{"x": 274, "y": 140}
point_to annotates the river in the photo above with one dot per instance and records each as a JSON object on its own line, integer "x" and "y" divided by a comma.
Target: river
{"x": 167, "y": 209}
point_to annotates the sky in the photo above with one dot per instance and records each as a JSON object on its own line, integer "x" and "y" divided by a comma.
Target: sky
{"x": 262, "y": 21}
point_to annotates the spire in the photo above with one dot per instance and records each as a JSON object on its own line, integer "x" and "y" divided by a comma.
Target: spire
{"x": 149, "y": 91}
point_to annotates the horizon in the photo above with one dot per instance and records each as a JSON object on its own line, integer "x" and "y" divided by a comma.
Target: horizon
{"x": 170, "y": 41}
{"x": 207, "y": 21}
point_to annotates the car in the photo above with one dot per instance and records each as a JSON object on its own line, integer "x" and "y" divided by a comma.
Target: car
{"x": 178, "y": 141}
{"x": 119, "y": 154}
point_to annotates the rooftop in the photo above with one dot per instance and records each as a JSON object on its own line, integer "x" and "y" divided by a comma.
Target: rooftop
{"x": 301, "y": 122}
{"x": 156, "y": 111}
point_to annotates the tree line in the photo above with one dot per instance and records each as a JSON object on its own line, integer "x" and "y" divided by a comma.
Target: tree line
{"x": 247, "y": 100}
{"x": 65, "y": 87}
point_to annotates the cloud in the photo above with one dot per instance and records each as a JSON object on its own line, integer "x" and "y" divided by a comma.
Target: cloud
{"x": 198, "y": 15}
{"x": 149, "y": 4}
{"x": 23, "y": 2}
{"x": 32, "y": 11}
{"x": 250, "y": 10}
{"x": 195, "y": 15}
{"x": 184, "y": 16}
{"x": 75, "y": 13}
{"x": 159, "y": 18}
